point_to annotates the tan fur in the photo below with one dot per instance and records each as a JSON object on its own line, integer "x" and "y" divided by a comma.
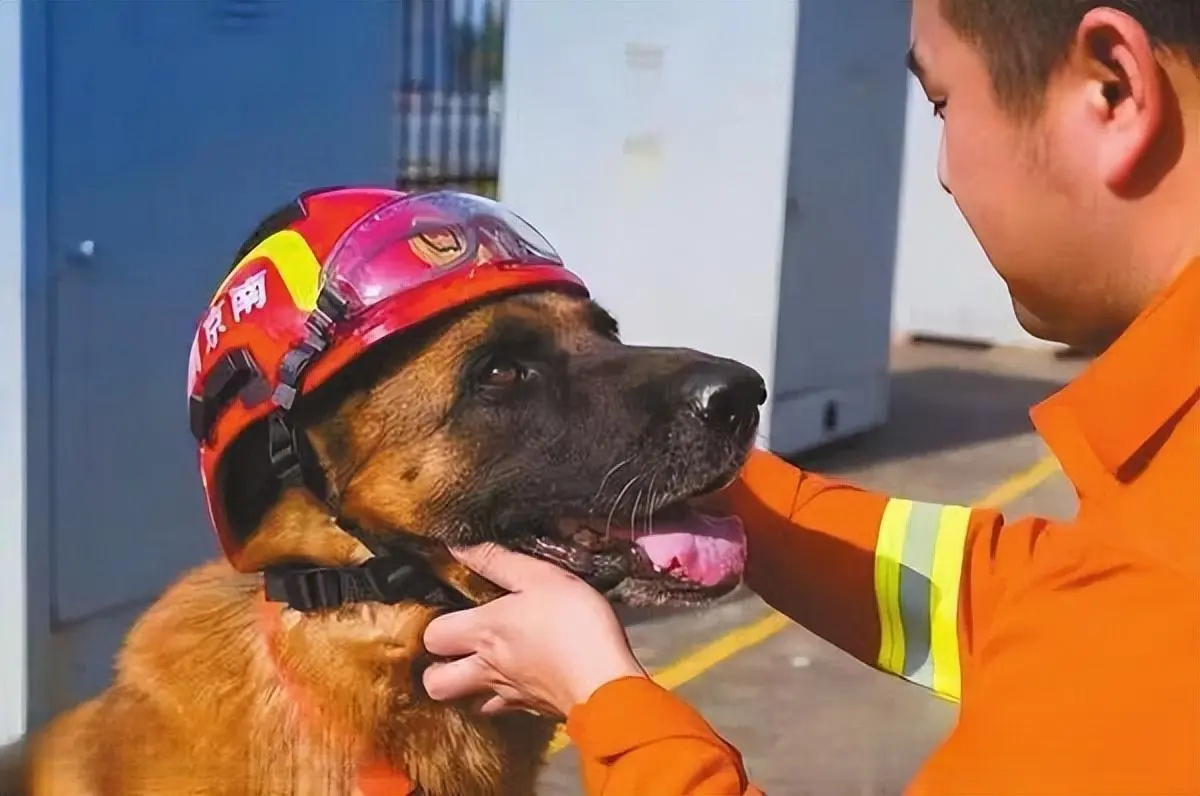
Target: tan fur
{"x": 210, "y": 697}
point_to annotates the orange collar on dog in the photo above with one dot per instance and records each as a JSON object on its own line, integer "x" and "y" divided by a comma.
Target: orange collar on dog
{"x": 375, "y": 777}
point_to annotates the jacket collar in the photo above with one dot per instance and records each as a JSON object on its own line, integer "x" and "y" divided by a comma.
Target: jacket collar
{"x": 1117, "y": 413}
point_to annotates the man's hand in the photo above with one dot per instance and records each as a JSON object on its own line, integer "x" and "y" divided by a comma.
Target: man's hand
{"x": 546, "y": 647}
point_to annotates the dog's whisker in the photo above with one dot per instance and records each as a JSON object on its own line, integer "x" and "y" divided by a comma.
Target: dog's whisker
{"x": 617, "y": 502}
{"x": 609, "y": 474}
{"x": 650, "y": 505}
{"x": 633, "y": 515}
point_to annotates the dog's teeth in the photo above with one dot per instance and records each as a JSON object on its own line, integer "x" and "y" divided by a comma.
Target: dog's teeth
{"x": 569, "y": 557}
{"x": 570, "y": 527}
{"x": 587, "y": 538}
{"x": 576, "y": 532}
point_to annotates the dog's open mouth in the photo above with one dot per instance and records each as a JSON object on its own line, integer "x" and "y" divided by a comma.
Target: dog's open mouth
{"x": 678, "y": 549}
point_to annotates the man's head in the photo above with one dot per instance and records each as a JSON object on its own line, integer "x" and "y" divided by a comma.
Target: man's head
{"x": 1071, "y": 143}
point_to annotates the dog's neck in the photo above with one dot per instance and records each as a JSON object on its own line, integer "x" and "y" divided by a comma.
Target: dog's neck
{"x": 350, "y": 673}
{"x": 340, "y": 664}
{"x": 367, "y": 695}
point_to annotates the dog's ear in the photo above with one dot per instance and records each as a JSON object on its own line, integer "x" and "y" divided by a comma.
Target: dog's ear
{"x": 248, "y": 485}
{"x": 248, "y": 481}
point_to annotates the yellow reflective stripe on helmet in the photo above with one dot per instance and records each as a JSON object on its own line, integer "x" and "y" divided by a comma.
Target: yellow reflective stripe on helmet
{"x": 918, "y": 568}
{"x": 294, "y": 261}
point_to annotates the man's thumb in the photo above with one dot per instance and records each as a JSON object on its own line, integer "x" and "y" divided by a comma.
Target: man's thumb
{"x": 508, "y": 570}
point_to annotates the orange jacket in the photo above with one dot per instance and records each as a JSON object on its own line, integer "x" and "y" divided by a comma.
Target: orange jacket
{"x": 1074, "y": 647}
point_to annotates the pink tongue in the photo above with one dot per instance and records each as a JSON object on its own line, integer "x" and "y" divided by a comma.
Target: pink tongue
{"x": 709, "y": 551}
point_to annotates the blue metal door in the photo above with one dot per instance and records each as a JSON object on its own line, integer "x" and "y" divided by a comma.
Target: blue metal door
{"x": 174, "y": 127}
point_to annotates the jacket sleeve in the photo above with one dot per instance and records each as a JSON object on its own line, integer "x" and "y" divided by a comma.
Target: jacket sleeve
{"x": 636, "y": 737}
{"x": 903, "y": 585}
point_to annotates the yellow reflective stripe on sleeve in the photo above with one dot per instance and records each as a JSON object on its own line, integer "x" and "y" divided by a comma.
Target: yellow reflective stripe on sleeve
{"x": 918, "y": 567}
{"x": 888, "y": 549}
{"x": 946, "y": 578}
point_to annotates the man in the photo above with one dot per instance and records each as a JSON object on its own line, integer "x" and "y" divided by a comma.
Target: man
{"x": 1071, "y": 143}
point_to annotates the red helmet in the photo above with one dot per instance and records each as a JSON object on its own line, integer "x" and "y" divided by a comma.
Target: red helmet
{"x": 327, "y": 277}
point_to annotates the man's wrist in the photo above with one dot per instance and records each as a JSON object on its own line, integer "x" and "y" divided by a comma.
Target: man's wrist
{"x": 592, "y": 678}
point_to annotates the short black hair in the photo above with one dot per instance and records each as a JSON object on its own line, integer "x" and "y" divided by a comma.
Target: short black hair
{"x": 1025, "y": 41}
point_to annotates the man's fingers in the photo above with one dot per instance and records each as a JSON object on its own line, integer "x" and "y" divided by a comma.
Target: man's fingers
{"x": 498, "y": 704}
{"x": 508, "y": 570}
{"x": 457, "y": 679}
{"x": 454, "y": 634}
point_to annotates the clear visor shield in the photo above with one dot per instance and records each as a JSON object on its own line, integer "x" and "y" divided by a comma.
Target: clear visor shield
{"x": 421, "y": 237}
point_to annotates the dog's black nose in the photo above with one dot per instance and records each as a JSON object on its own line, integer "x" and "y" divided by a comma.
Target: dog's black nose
{"x": 723, "y": 393}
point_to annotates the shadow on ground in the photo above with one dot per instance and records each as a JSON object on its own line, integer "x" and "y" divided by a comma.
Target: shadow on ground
{"x": 936, "y": 408}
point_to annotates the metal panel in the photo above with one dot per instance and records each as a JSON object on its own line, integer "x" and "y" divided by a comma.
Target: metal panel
{"x": 843, "y": 193}
{"x": 174, "y": 127}
{"x": 37, "y": 298}
{"x": 13, "y": 661}
{"x": 839, "y": 244}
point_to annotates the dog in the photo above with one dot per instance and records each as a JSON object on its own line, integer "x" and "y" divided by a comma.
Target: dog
{"x": 521, "y": 419}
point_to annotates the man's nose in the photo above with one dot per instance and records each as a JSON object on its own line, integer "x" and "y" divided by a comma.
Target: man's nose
{"x": 723, "y": 393}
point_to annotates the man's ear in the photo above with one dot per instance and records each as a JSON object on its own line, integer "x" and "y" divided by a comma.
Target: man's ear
{"x": 1126, "y": 93}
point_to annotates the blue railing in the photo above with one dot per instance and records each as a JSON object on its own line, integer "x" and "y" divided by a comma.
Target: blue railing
{"x": 448, "y": 98}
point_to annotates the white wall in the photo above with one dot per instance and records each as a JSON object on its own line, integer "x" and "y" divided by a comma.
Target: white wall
{"x": 944, "y": 283}
{"x": 12, "y": 383}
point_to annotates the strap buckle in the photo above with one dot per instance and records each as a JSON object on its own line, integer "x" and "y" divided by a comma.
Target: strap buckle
{"x": 285, "y": 458}
{"x": 383, "y": 579}
{"x": 313, "y": 589}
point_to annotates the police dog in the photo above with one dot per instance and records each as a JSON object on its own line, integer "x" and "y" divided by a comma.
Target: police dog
{"x": 522, "y": 420}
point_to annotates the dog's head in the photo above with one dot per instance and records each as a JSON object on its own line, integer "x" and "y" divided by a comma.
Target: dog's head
{"x": 525, "y": 421}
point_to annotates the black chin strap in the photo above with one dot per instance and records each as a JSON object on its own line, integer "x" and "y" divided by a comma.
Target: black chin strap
{"x": 388, "y": 579}
{"x": 396, "y": 574}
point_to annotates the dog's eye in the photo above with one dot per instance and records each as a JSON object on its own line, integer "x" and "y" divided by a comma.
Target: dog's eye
{"x": 499, "y": 375}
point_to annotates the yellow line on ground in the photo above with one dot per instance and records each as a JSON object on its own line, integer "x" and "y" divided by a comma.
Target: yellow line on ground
{"x": 706, "y": 657}
{"x": 703, "y": 658}
{"x": 1020, "y": 484}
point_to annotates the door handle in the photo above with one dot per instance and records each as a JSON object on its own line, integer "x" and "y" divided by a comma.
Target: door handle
{"x": 82, "y": 254}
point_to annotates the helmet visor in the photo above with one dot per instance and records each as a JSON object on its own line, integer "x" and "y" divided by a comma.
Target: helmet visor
{"x": 420, "y": 238}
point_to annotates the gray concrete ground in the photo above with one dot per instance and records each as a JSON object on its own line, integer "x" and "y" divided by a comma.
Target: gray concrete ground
{"x": 808, "y": 718}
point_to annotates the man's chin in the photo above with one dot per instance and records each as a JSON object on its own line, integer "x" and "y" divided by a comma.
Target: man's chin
{"x": 1086, "y": 341}
{"x": 1033, "y": 323}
